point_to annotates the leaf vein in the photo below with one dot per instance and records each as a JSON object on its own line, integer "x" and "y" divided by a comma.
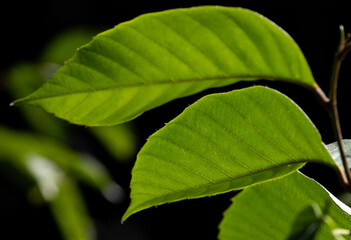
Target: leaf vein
{"x": 195, "y": 154}
{"x": 116, "y": 41}
{"x": 87, "y": 50}
{"x": 212, "y": 143}
{"x": 221, "y": 40}
{"x": 166, "y": 49}
{"x": 164, "y": 175}
{"x": 179, "y": 165}
{"x": 180, "y": 81}
{"x": 235, "y": 136}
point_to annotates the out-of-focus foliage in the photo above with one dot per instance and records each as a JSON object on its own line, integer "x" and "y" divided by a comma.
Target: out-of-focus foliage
{"x": 63, "y": 46}
{"x": 24, "y": 78}
{"x": 40, "y": 161}
{"x": 53, "y": 169}
{"x": 120, "y": 140}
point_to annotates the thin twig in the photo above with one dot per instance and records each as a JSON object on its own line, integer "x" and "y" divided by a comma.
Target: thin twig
{"x": 343, "y": 50}
{"x": 331, "y": 103}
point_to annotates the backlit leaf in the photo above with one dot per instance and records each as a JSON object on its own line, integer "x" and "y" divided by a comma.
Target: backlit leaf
{"x": 155, "y": 58}
{"x": 224, "y": 142}
{"x": 269, "y": 210}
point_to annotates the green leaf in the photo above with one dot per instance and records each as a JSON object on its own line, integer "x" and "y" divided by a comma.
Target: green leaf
{"x": 25, "y": 78}
{"x": 224, "y": 142}
{"x": 65, "y": 44}
{"x": 269, "y": 210}
{"x": 19, "y": 148}
{"x": 119, "y": 141}
{"x": 307, "y": 223}
{"x": 155, "y": 58}
{"x": 71, "y": 214}
{"x": 64, "y": 198}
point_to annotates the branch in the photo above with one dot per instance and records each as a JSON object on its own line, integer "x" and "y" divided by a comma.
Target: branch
{"x": 331, "y": 102}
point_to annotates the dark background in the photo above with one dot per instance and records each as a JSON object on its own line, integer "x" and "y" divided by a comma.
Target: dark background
{"x": 27, "y": 26}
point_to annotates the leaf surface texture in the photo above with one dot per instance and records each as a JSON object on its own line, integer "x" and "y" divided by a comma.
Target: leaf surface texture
{"x": 224, "y": 142}
{"x": 155, "y": 58}
{"x": 269, "y": 210}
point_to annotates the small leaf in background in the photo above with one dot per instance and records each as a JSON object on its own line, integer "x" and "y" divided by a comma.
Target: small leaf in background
{"x": 46, "y": 173}
{"x": 65, "y": 44}
{"x": 70, "y": 213}
{"x": 269, "y": 211}
{"x": 92, "y": 172}
{"x": 119, "y": 141}
{"x": 19, "y": 145}
{"x": 63, "y": 196}
{"x": 155, "y": 58}
{"x": 224, "y": 142}
{"x": 53, "y": 169}
{"x": 23, "y": 79}
{"x": 334, "y": 151}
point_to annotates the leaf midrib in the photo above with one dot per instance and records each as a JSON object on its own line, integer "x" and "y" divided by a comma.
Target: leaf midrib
{"x": 214, "y": 183}
{"x": 180, "y": 81}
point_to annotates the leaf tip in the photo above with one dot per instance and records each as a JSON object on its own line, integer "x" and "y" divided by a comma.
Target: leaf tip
{"x": 125, "y": 216}
{"x": 16, "y": 102}
{"x": 20, "y": 101}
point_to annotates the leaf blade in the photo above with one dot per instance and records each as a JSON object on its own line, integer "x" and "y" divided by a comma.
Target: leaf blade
{"x": 155, "y": 58}
{"x": 222, "y": 143}
{"x": 283, "y": 199}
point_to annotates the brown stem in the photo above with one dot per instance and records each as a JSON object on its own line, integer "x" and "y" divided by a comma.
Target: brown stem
{"x": 331, "y": 103}
{"x": 343, "y": 50}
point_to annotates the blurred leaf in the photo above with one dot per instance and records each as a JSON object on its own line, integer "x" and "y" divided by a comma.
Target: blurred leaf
{"x": 71, "y": 214}
{"x": 65, "y": 44}
{"x": 46, "y": 173}
{"x": 158, "y": 57}
{"x": 63, "y": 196}
{"x": 25, "y": 78}
{"x": 20, "y": 146}
{"x": 307, "y": 223}
{"x": 119, "y": 141}
{"x": 345, "y": 198}
{"x": 269, "y": 210}
{"x": 224, "y": 142}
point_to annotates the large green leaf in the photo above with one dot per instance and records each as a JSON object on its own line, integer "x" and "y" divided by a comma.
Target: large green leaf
{"x": 269, "y": 210}
{"x": 224, "y": 142}
{"x": 155, "y": 58}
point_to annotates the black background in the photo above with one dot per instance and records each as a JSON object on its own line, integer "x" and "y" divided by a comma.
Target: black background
{"x": 27, "y": 26}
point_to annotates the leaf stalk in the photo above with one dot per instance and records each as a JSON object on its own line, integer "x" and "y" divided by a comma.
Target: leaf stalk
{"x": 331, "y": 102}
